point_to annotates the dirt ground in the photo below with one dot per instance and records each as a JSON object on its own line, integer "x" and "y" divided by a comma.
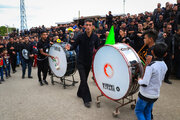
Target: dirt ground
{"x": 25, "y": 99}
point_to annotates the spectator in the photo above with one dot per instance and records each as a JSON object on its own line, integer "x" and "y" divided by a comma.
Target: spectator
{"x": 176, "y": 40}
{"x": 109, "y": 19}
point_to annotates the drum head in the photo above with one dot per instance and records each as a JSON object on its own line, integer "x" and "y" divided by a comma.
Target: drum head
{"x": 111, "y": 72}
{"x": 25, "y": 54}
{"x": 59, "y": 64}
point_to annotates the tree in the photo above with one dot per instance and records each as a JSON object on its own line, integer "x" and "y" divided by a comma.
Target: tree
{"x": 3, "y": 30}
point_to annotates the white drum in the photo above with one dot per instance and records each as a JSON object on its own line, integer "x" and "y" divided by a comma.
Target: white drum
{"x": 64, "y": 63}
{"x": 115, "y": 68}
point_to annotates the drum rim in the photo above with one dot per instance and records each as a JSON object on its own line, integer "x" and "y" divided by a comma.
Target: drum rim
{"x": 75, "y": 64}
{"x": 75, "y": 70}
{"x": 50, "y": 67}
{"x": 138, "y": 60}
{"x": 128, "y": 71}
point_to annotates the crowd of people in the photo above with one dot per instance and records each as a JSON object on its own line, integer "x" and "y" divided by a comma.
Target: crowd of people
{"x": 128, "y": 29}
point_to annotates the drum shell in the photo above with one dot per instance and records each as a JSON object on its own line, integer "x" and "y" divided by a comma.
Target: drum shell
{"x": 135, "y": 68}
{"x": 70, "y": 58}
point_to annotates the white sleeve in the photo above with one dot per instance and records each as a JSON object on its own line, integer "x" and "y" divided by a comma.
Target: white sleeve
{"x": 147, "y": 76}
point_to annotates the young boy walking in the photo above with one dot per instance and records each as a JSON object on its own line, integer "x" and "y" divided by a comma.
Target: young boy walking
{"x": 151, "y": 82}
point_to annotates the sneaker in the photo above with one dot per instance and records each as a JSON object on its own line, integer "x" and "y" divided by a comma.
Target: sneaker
{"x": 45, "y": 82}
{"x": 23, "y": 77}
{"x": 2, "y": 80}
{"x": 87, "y": 104}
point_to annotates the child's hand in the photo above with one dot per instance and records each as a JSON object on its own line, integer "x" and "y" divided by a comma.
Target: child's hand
{"x": 13, "y": 52}
{"x": 138, "y": 79}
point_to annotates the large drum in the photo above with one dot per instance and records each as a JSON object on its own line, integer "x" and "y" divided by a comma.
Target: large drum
{"x": 115, "y": 68}
{"x": 64, "y": 63}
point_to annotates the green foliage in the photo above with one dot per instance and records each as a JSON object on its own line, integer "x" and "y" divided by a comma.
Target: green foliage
{"x": 3, "y": 30}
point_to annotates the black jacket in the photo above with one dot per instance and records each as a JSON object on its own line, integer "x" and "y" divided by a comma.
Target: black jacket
{"x": 9, "y": 45}
{"x": 27, "y": 46}
{"x": 86, "y": 46}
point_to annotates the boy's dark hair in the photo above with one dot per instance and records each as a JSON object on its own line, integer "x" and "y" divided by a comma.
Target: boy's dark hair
{"x": 160, "y": 49}
{"x": 151, "y": 34}
{"x": 89, "y": 20}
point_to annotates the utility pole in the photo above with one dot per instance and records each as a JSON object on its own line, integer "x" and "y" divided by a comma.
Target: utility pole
{"x": 23, "y": 15}
{"x": 124, "y": 6}
{"x": 79, "y": 14}
{"x": 7, "y": 29}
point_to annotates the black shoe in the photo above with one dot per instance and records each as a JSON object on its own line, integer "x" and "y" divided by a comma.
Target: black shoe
{"x": 30, "y": 77}
{"x": 152, "y": 116}
{"x": 168, "y": 82}
{"x": 41, "y": 84}
{"x": 14, "y": 71}
{"x": 45, "y": 82}
{"x": 23, "y": 77}
{"x": 2, "y": 80}
{"x": 87, "y": 104}
{"x": 79, "y": 96}
{"x": 9, "y": 75}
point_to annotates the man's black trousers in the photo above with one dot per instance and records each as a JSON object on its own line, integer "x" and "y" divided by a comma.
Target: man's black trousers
{"x": 13, "y": 62}
{"x": 83, "y": 90}
{"x": 42, "y": 67}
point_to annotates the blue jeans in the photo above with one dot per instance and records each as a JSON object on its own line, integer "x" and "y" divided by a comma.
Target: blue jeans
{"x": 24, "y": 63}
{"x": 18, "y": 59}
{"x": 143, "y": 109}
{"x": 1, "y": 72}
{"x": 7, "y": 70}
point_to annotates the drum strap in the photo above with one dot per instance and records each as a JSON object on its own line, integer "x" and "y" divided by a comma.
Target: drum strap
{"x": 42, "y": 59}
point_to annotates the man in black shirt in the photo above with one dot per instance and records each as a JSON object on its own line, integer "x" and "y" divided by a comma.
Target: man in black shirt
{"x": 176, "y": 52}
{"x": 138, "y": 39}
{"x": 150, "y": 37}
{"x": 2, "y": 46}
{"x": 86, "y": 41}
{"x": 101, "y": 34}
{"x": 109, "y": 19}
{"x": 27, "y": 57}
{"x": 42, "y": 57}
{"x": 11, "y": 47}
{"x": 167, "y": 38}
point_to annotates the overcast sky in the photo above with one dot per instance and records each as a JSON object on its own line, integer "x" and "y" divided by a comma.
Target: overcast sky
{"x": 48, "y": 12}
